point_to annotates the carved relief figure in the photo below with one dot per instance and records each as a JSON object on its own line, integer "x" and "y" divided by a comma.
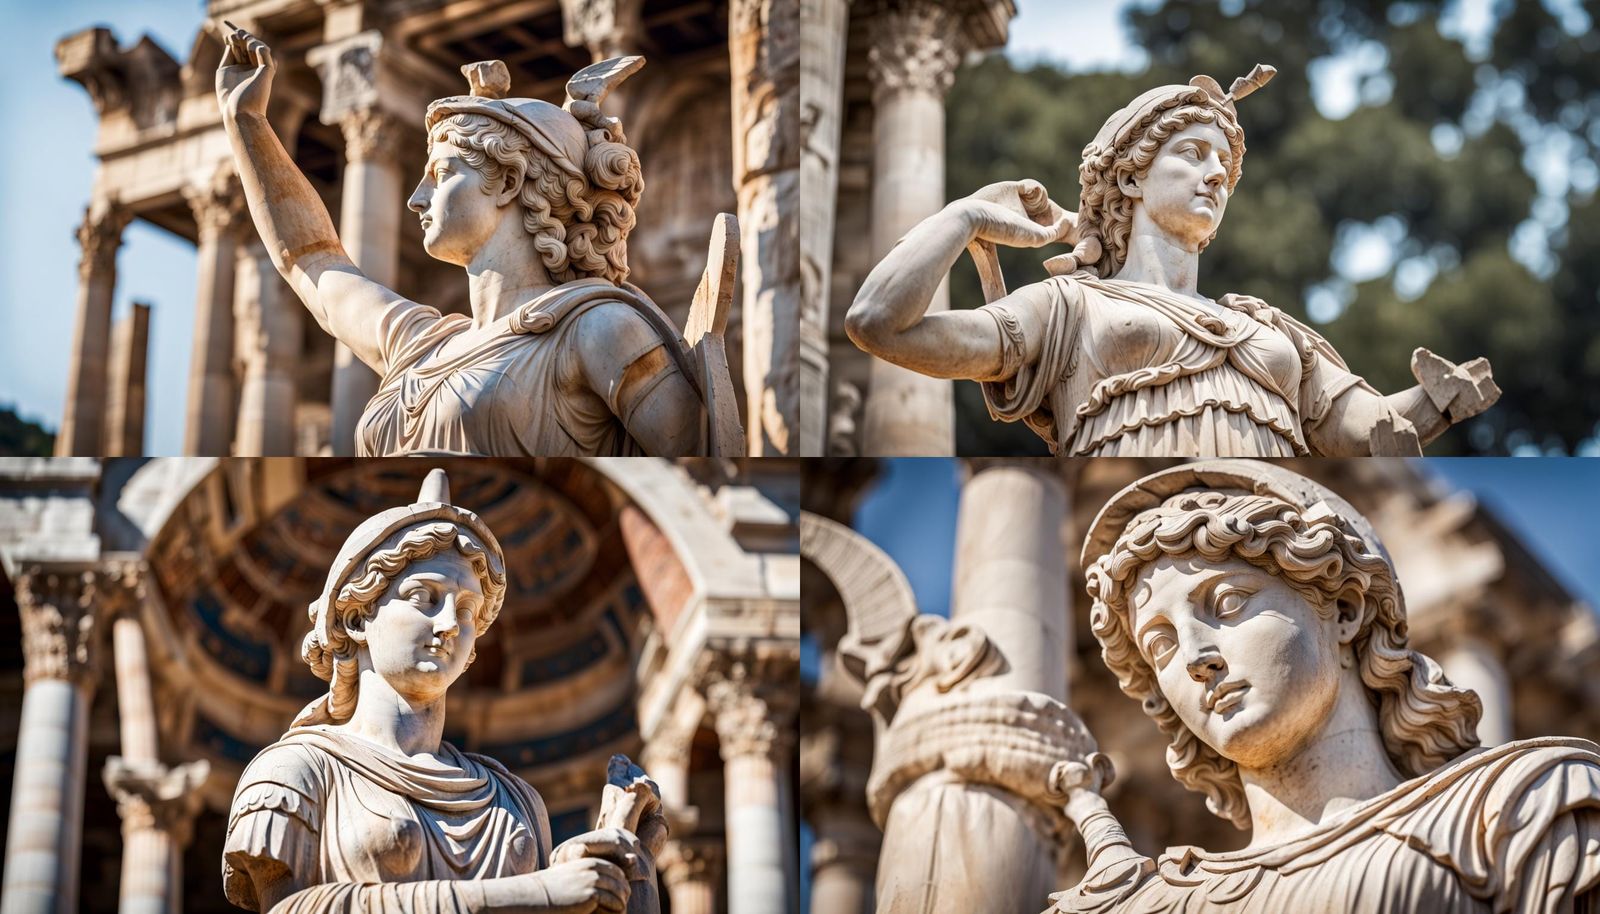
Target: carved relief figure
{"x": 1117, "y": 353}
{"x": 561, "y": 356}
{"x": 1258, "y": 620}
{"x": 361, "y": 806}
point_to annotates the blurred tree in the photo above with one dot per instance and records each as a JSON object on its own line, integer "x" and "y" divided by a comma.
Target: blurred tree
{"x": 20, "y": 437}
{"x": 1436, "y": 158}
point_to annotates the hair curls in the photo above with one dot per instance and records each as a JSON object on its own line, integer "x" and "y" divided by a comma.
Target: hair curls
{"x": 1425, "y": 721}
{"x": 1105, "y": 215}
{"x": 579, "y": 225}
{"x": 329, "y": 649}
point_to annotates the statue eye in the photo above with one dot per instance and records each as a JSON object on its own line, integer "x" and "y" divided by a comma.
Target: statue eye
{"x": 1228, "y": 601}
{"x": 1158, "y": 646}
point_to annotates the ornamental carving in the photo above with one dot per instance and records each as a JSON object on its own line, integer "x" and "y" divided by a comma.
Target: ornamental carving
{"x": 371, "y": 135}
{"x": 151, "y": 795}
{"x": 916, "y": 46}
{"x": 58, "y": 624}
{"x": 99, "y": 237}
{"x": 752, "y": 700}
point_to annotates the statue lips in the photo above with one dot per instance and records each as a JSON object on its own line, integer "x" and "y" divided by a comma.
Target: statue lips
{"x": 1225, "y": 697}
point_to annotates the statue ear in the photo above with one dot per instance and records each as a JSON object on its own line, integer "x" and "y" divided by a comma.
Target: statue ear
{"x": 356, "y": 630}
{"x": 1348, "y": 618}
{"x": 510, "y": 187}
{"x": 1129, "y": 185}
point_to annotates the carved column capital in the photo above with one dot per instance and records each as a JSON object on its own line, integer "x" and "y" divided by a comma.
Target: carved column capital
{"x": 751, "y": 697}
{"x": 371, "y": 135}
{"x": 99, "y": 235}
{"x": 916, "y": 45}
{"x": 218, "y": 204}
{"x": 58, "y": 609}
{"x": 691, "y": 860}
{"x": 151, "y": 795}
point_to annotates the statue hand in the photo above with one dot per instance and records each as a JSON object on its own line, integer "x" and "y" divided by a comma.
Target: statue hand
{"x": 1459, "y": 391}
{"x": 1081, "y": 783}
{"x": 1019, "y": 214}
{"x": 619, "y": 846}
{"x": 244, "y": 77}
{"x": 577, "y": 887}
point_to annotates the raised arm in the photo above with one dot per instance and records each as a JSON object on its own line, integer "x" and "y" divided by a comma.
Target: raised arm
{"x": 287, "y": 212}
{"x": 889, "y": 316}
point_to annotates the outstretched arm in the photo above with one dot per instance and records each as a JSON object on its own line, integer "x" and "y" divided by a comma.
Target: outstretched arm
{"x": 293, "y": 223}
{"x": 1361, "y": 422}
{"x": 889, "y": 316}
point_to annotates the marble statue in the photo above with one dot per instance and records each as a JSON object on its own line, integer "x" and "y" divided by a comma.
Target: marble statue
{"x": 1257, "y": 619}
{"x": 1117, "y": 353}
{"x": 561, "y": 355}
{"x": 361, "y": 806}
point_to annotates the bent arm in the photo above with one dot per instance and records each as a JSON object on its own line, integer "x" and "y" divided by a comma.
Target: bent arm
{"x": 624, "y": 362}
{"x": 889, "y": 316}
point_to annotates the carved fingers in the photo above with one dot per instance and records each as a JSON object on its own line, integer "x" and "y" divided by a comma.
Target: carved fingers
{"x": 622, "y": 848}
{"x": 1020, "y": 214}
{"x": 1459, "y": 391}
{"x": 581, "y": 886}
{"x": 244, "y": 76}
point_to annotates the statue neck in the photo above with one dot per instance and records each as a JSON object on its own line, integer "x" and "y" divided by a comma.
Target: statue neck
{"x": 1343, "y": 765}
{"x": 384, "y": 716}
{"x": 506, "y": 272}
{"x": 1157, "y": 258}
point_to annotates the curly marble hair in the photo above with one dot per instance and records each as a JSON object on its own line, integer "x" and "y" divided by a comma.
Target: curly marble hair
{"x": 579, "y": 225}
{"x": 1105, "y": 214}
{"x": 1425, "y": 721}
{"x": 331, "y": 652}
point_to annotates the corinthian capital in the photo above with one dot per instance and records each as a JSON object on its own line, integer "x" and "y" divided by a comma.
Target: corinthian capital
{"x": 218, "y": 204}
{"x": 691, "y": 860}
{"x": 58, "y": 620}
{"x": 99, "y": 235}
{"x": 752, "y": 694}
{"x": 371, "y": 136}
{"x": 151, "y": 795}
{"x": 916, "y": 46}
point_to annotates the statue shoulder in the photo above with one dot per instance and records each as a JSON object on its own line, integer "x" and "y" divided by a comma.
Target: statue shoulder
{"x": 289, "y": 776}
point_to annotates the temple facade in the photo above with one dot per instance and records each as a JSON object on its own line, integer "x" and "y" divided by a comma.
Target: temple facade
{"x": 714, "y": 117}
{"x": 652, "y": 610}
{"x": 1478, "y": 600}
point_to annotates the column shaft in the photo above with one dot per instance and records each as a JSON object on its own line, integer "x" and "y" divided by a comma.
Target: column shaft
{"x": 757, "y": 873}
{"x": 83, "y": 419}
{"x": 269, "y": 323}
{"x": 915, "y": 49}
{"x": 765, "y": 61}
{"x": 1472, "y": 664}
{"x": 369, "y": 226}
{"x": 824, "y": 25}
{"x": 209, "y": 429}
{"x": 125, "y": 390}
{"x": 692, "y": 871}
{"x": 45, "y": 835}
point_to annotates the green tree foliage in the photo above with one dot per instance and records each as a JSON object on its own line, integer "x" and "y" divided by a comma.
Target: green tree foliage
{"x": 20, "y": 437}
{"x": 1437, "y": 155}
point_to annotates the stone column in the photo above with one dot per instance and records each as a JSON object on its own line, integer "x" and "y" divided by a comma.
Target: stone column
{"x": 125, "y": 390}
{"x": 824, "y": 25}
{"x": 83, "y": 420}
{"x": 59, "y": 657}
{"x": 372, "y": 204}
{"x": 751, "y": 697}
{"x": 835, "y": 756}
{"x": 157, "y": 803}
{"x": 1011, "y": 571}
{"x": 916, "y": 46}
{"x": 608, "y": 28}
{"x": 218, "y": 208}
{"x": 1471, "y": 663}
{"x": 269, "y": 328}
{"x": 691, "y": 868}
{"x": 764, "y": 53}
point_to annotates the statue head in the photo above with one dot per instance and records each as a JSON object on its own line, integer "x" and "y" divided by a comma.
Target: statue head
{"x": 565, "y": 173}
{"x": 408, "y": 596}
{"x": 1176, "y": 151}
{"x": 1235, "y": 600}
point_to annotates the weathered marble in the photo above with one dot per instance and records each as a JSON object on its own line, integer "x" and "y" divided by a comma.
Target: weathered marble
{"x": 363, "y": 807}
{"x": 1118, "y": 354}
{"x": 1258, "y": 619}
{"x": 561, "y": 355}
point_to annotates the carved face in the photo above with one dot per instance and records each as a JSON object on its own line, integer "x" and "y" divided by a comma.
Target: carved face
{"x": 1185, "y": 190}
{"x": 1247, "y": 663}
{"x": 421, "y": 636}
{"x": 459, "y": 211}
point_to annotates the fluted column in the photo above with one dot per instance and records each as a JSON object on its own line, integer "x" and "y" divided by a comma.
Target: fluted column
{"x": 915, "y": 48}
{"x": 269, "y": 328}
{"x": 751, "y": 697}
{"x": 45, "y": 835}
{"x": 824, "y": 25}
{"x": 83, "y": 420}
{"x": 369, "y": 225}
{"x": 764, "y": 53}
{"x": 218, "y": 210}
{"x": 692, "y": 870}
{"x": 125, "y": 389}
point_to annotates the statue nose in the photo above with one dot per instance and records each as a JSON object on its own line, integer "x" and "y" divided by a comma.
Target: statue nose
{"x": 1206, "y": 666}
